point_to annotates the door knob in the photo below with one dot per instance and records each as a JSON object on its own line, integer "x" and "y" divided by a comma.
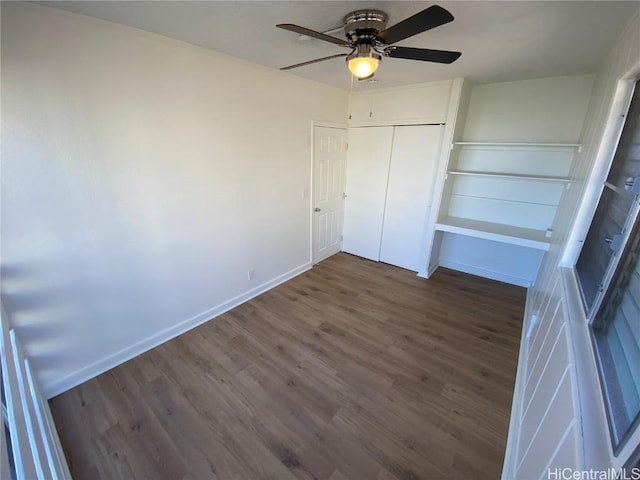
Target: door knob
{"x": 316, "y": 209}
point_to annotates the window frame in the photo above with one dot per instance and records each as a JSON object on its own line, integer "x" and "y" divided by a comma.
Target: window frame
{"x": 596, "y": 443}
{"x": 631, "y": 229}
{"x": 634, "y": 211}
{"x": 610, "y": 275}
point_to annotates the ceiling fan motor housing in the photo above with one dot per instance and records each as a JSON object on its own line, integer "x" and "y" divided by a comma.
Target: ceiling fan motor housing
{"x": 364, "y": 24}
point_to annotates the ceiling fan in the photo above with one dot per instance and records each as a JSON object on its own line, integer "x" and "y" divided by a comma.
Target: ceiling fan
{"x": 369, "y": 39}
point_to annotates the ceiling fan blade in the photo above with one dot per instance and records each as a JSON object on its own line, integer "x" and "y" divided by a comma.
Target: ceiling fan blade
{"x": 423, "y": 54}
{"x": 314, "y": 61}
{"x": 432, "y": 17}
{"x": 312, "y": 33}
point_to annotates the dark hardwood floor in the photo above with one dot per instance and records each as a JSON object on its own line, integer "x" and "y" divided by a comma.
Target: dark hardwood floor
{"x": 354, "y": 370}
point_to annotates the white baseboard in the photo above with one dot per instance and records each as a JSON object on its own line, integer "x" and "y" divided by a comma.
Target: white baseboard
{"x": 96, "y": 368}
{"x": 428, "y": 273}
{"x": 481, "y": 272}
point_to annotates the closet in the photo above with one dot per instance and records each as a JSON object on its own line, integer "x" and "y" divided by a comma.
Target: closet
{"x": 464, "y": 177}
{"x": 395, "y": 156}
{"x": 389, "y": 186}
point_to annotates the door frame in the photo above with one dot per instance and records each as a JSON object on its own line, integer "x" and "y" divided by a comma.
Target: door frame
{"x": 311, "y": 144}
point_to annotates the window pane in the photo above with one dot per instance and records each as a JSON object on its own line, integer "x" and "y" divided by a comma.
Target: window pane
{"x": 626, "y": 163}
{"x": 616, "y": 335}
{"x": 608, "y": 272}
{"x": 596, "y": 256}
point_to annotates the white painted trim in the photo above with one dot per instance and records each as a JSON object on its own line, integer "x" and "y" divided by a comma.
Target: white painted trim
{"x": 533, "y": 321}
{"x": 531, "y": 145}
{"x": 570, "y": 427}
{"x": 58, "y": 468}
{"x": 432, "y": 120}
{"x": 497, "y": 232}
{"x": 311, "y": 146}
{"x": 24, "y": 459}
{"x": 596, "y": 446}
{"x": 320, "y": 123}
{"x": 456, "y": 114}
{"x": 566, "y": 371}
{"x": 5, "y": 471}
{"x": 36, "y": 448}
{"x": 27, "y": 402}
{"x": 96, "y": 368}
{"x": 513, "y": 438}
{"x": 430, "y": 272}
{"x": 481, "y": 272}
{"x": 338, "y": 126}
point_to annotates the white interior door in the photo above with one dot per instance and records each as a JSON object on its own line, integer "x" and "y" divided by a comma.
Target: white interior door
{"x": 409, "y": 193}
{"x": 329, "y": 155}
{"x": 367, "y": 172}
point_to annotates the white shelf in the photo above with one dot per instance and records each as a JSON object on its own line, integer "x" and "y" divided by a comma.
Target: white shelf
{"x": 519, "y": 144}
{"x": 524, "y": 237}
{"x": 515, "y": 176}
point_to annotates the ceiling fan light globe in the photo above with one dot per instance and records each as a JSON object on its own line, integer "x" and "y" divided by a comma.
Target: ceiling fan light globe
{"x": 362, "y": 67}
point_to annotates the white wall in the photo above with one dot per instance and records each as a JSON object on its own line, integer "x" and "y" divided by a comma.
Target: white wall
{"x": 546, "y": 110}
{"x": 542, "y": 110}
{"x": 141, "y": 179}
{"x": 486, "y": 258}
{"x": 568, "y": 396}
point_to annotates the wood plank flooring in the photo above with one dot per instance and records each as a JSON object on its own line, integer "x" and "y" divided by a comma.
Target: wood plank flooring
{"x": 353, "y": 370}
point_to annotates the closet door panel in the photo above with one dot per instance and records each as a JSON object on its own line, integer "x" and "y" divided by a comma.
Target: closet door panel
{"x": 409, "y": 193}
{"x": 367, "y": 172}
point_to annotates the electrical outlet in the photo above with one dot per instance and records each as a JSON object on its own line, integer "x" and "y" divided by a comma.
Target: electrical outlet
{"x": 251, "y": 274}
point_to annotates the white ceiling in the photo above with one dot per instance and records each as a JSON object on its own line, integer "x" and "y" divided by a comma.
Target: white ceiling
{"x": 499, "y": 40}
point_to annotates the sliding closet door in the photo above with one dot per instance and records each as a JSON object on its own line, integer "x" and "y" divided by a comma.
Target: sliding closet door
{"x": 367, "y": 171}
{"x": 410, "y": 188}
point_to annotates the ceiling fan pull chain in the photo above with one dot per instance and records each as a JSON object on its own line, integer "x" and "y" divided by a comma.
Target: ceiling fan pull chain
{"x": 350, "y": 91}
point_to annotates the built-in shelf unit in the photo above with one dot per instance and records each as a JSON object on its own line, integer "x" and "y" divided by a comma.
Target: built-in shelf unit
{"x": 525, "y": 237}
{"x": 505, "y": 192}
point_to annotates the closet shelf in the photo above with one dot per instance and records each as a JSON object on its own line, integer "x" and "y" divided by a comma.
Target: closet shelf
{"x": 525, "y": 237}
{"x": 545, "y": 146}
{"x": 515, "y": 176}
